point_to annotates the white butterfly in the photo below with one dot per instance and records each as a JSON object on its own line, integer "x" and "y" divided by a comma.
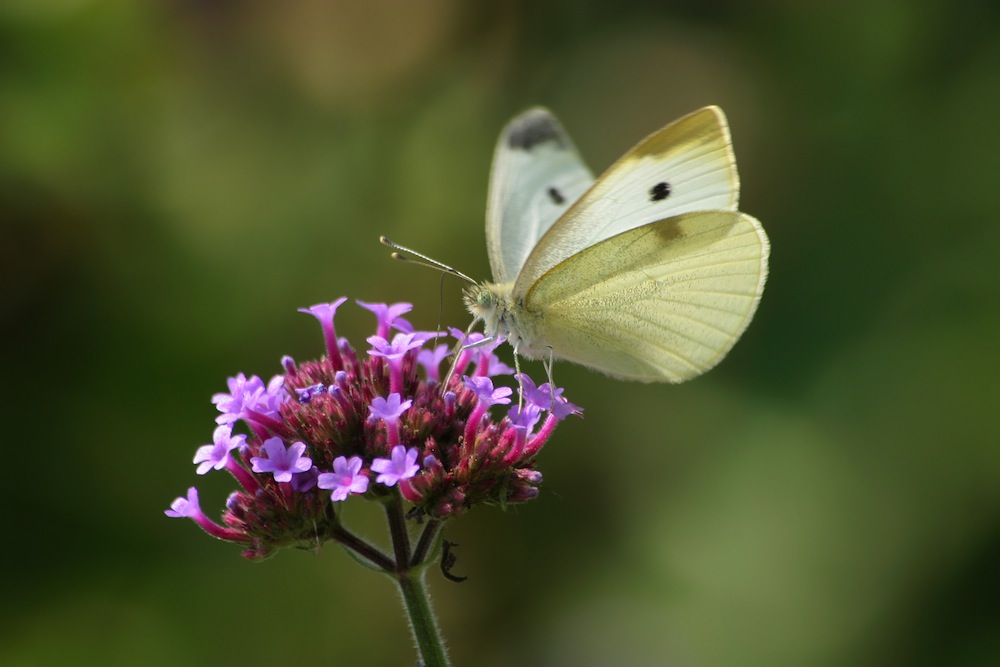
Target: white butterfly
{"x": 648, "y": 273}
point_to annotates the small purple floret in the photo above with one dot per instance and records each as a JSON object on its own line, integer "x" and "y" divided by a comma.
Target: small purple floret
{"x": 185, "y": 507}
{"x": 243, "y": 392}
{"x": 345, "y": 479}
{"x": 305, "y": 481}
{"x": 282, "y": 462}
{"x": 402, "y": 465}
{"x": 388, "y": 410}
{"x": 325, "y": 312}
{"x": 525, "y": 417}
{"x": 547, "y": 397}
{"x": 487, "y": 395}
{"x": 217, "y": 455}
{"x": 431, "y": 360}
{"x": 400, "y": 345}
{"x": 390, "y": 316}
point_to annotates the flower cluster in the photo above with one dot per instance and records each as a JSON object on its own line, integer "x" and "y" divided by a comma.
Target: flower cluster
{"x": 372, "y": 425}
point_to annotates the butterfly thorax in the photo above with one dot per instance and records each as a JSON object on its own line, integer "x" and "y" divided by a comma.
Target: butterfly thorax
{"x": 503, "y": 316}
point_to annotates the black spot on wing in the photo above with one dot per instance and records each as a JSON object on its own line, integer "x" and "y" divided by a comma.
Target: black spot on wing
{"x": 556, "y": 196}
{"x": 660, "y": 191}
{"x": 533, "y": 128}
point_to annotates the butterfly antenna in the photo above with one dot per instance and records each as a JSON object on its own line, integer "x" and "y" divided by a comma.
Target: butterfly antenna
{"x": 423, "y": 260}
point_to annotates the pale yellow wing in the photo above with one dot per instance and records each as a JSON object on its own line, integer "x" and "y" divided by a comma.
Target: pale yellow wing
{"x": 664, "y": 302}
{"x": 686, "y": 166}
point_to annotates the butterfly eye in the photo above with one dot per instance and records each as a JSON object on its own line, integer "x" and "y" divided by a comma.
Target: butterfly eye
{"x": 660, "y": 191}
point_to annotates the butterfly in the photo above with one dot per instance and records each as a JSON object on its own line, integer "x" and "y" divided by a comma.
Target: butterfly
{"x": 647, "y": 273}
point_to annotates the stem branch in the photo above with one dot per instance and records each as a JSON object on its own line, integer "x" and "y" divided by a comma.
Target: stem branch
{"x": 425, "y": 542}
{"x": 363, "y": 549}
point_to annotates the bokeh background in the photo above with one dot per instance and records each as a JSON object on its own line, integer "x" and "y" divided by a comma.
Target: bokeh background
{"x": 176, "y": 178}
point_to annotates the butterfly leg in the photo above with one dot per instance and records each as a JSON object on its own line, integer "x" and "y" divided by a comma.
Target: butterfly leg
{"x": 455, "y": 354}
{"x": 552, "y": 384}
{"x": 548, "y": 367}
{"x": 461, "y": 347}
{"x": 517, "y": 374}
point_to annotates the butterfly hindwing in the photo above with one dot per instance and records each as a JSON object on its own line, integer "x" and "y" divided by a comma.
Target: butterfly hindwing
{"x": 536, "y": 175}
{"x": 663, "y": 302}
{"x": 686, "y": 166}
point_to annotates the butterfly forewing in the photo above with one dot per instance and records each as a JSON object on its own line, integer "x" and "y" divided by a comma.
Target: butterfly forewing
{"x": 663, "y": 302}
{"x": 686, "y": 166}
{"x": 537, "y": 174}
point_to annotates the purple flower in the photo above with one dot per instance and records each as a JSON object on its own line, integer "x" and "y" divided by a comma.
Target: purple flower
{"x": 345, "y": 479}
{"x": 400, "y": 345}
{"x": 269, "y": 401}
{"x": 474, "y": 344}
{"x": 431, "y": 360}
{"x": 562, "y": 408}
{"x": 217, "y": 455}
{"x": 189, "y": 508}
{"x": 389, "y": 316}
{"x": 388, "y": 410}
{"x": 304, "y": 481}
{"x": 525, "y": 417}
{"x": 487, "y": 395}
{"x": 402, "y": 465}
{"x": 394, "y": 352}
{"x": 496, "y": 367}
{"x": 250, "y": 400}
{"x": 280, "y": 461}
{"x": 325, "y": 312}
{"x": 242, "y": 392}
{"x": 547, "y": 397}
{"x": 185, "y": 507}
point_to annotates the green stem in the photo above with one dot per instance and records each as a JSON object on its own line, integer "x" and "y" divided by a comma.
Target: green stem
{"x": 424, "y": 626}
{"x": 398, "y": 531}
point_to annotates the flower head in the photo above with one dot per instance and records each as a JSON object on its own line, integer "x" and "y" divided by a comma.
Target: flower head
{"x": 324, "y": 429}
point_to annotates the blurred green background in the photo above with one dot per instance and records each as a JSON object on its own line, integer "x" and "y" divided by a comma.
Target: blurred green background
{"x": 176, "y": 178}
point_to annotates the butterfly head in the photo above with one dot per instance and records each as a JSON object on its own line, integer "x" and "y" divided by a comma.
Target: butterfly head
{"x": 490, "y": 303}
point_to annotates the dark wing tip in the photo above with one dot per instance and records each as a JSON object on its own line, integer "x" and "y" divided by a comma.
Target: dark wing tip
{"x": 533, "y": 127}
